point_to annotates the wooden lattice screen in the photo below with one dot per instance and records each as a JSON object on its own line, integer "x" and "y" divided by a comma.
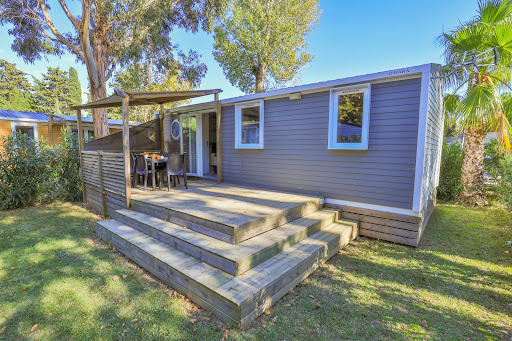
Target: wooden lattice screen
{"x": 103, "y": 175}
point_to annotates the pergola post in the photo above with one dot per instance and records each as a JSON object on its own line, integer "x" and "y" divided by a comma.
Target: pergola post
{"x": 162, "y": 135}
{"x": 126, "y": 149}
{"x": 218, "y": 111}
{"x": 80, "y": 148}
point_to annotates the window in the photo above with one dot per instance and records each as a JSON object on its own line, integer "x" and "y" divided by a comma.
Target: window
{"x": 349, "y": 117}
{"x": 26, "y": 128}
{"x": 249, "y": 125}
{"x": 175, "y": 129}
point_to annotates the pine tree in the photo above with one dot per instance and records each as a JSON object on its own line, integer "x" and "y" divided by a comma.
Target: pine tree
{"x": 75, "y": 90}
{"x": 14, "y": 88}
{"x": 52, "y": 89}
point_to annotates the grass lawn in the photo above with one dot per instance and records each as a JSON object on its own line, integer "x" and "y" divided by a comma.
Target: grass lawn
{"x": 57, "y": 282}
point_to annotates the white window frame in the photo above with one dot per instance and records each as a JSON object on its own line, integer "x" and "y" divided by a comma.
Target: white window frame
{"x": 238, "y": 124}
{"x": 24, "y": 124}
{"x": 333, "y": 117}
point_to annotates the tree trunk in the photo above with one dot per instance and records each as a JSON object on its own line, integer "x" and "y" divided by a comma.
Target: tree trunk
{"x": 473, "y": 167}
{"x": 260, "y": 74}
{"x": 99, "y": 88}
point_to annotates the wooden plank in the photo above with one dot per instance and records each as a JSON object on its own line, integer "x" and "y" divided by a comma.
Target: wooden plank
{"x": 388, "y": 237}
{"x": 126, "y": 150}
{"x": 100, "y": 175}
{"x": 381, "y": 221}
{"x": 376, "y": 213}
{"x": 389, "y": 230}
{"x": 218, "y": 112}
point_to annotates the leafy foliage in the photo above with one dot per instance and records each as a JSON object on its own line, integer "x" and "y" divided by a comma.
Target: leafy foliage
{"x": 106, "y": 34}
{"x": 31, "y": 171}
{"x": 450, "y": 183}
{"x": 74, "y": 88}
{"x": 14, "y": 88}
{"x": 498, "y": 167}
{"x": 481, "y": 106}
{"x": 24, "y": 170}
{"x": 52, "y": 91}
{"x": 262, "y": 44}
{"x": 66, "y": 167}
{"x": 139, "y": 77}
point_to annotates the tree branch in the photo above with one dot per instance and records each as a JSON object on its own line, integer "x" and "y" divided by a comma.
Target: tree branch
{"x": 56, "y": 32}
{"x": 66, "y": 10}
{"x": 86, "y": 43}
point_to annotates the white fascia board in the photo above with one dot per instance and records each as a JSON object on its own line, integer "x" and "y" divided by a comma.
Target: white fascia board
{"x": 420, "y": 146}
{"x": 373, "y": 207}
{"x": 12, "y": 119}
{"x": 378, "y": 77}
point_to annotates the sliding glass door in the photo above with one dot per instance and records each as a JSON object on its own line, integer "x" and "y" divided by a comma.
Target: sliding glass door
{"x": 191, "y": 142}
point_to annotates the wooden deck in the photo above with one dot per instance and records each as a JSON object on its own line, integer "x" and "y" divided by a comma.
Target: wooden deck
{"x": 234, "y": 250}
{"x": 229, "y": 212}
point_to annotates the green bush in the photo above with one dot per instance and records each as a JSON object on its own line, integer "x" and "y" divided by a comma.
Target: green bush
{"x": 498, "y": 169}
{"x": 25, "y": 172}
{"x": 32, "y": 171}
{"x": 450, "y": 183}
{"x": 66, "y": 167}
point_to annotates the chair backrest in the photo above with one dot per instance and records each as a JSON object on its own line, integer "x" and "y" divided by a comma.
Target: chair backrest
{"x": 132, "y": 162}
{"x": 141, "y": 165}
{"x": 176, "y": 164}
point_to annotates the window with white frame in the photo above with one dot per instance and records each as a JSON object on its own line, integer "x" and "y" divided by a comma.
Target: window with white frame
{"x": 249, "y": 125}
{"x": 26, "y": 128}
{"x": 349, "y": 117}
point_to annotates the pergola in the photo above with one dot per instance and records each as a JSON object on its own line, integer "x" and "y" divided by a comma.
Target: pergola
{"x": 125, "y": 99}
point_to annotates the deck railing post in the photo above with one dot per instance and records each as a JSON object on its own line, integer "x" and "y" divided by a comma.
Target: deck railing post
{"x": 126, "y": 149}
{"x": 162, "y": 133}
{"x": 80, "y": 149}
{"x": 102, "y": 188}
{"x": 218, "y": 111}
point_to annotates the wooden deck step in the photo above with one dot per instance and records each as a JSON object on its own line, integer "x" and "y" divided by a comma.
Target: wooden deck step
{"x": 236, "y": 300}
{"x": 229, "y": 216}
{"x": 234, "y": 259}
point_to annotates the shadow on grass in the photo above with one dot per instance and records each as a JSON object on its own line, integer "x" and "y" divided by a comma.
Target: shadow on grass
{"x": 455, "y": 286}
{"x": 54, "y": 275}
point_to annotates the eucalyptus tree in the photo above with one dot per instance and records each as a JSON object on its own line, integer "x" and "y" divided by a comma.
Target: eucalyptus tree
{"x": 481, "y": 106}
{"x": 262, "y": 44}
{"x": 103, "y": 34}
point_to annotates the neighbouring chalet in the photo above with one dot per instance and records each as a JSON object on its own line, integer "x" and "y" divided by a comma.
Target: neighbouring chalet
{"x": 40, "y": 126}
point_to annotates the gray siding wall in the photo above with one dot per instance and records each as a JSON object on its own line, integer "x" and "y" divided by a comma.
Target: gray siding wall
{"x": 433, "y": 146}
{"x": 295, "y": 155}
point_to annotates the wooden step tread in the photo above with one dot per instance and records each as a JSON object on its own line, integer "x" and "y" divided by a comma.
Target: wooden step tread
{"x": 232, "y": 258}
{"x": 230, "y": 217}
{"x": 237, "y": 300}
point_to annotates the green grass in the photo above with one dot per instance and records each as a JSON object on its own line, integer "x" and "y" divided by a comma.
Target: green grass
{"x": 456, "y": 286}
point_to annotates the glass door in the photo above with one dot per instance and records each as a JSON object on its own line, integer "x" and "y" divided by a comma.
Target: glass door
{"x": 191, "y": 141}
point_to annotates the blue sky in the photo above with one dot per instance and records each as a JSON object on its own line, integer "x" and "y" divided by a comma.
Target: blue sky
{"x": 353, "y": 38}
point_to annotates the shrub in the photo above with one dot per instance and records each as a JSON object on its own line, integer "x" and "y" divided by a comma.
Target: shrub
{"x": 498, "y": 168}
{"x": 25, "y": 174}
{"x": 66, "y": 167}
{"x": 450, "y": 183}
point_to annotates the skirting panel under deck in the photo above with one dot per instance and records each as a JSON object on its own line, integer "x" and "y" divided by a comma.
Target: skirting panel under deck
{"x": 393, "y": 227}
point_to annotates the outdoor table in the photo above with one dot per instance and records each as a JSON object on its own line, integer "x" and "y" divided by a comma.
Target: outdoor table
{"x": 149, "y": 159}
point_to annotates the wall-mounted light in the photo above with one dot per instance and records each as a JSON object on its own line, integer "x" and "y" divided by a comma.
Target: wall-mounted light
{"x": 294, "y": 97}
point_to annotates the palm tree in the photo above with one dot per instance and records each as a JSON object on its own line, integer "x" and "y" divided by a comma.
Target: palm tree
{"x": 480, "y": 106}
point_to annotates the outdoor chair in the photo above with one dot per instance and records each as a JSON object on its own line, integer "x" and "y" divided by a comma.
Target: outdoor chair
{"x": 133, "y": 173}
{"x": 175, "y": 167}
{"x": 142, "y": 168}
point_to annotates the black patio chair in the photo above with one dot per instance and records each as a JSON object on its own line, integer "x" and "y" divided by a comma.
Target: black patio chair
{"x": 175, "y": 167}
{"x": 133, "y": 173}
{"x": 142, "y": 168}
